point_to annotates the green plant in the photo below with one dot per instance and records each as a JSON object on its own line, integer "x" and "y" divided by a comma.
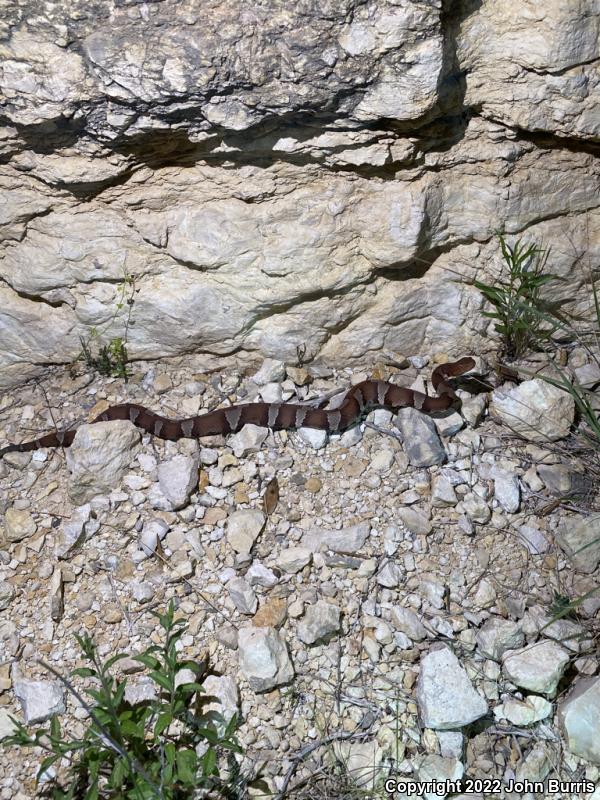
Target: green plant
{"x": 110, "y": 359}
{"x": 516, "y": 297}
{"x": 164, "y": 748}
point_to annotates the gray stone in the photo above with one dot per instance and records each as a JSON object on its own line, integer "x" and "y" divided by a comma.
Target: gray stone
{"x": 557, "y": 478}
{"x": 154, "y": 530}
{"x": 7, "y": 594}
{"x": 360, "y": 760}
{"x": 524, "y": 712}
{"x": 226, "y": 696}
{"x": 314, "y": 437}
{"x": 537, "y": 667}
{"x": 445, "y": 696}
{"x": 390, "y": 575}
{"x": 534, "y": 409}
{"x": 264, "y": 659}
{"x": 580, "y": 539}
{"x": 506, "y": 489}
{"x": 321, "y": 621}
{"x": 407, "y": 621}
{"x": 243, "y": 596}
{"x": 347, "y": 540}
{"x": 248, "y": 440}
{"x": 18, "y": 524}
{"x": 533, "y": 539}
{"x": 142, "y": 690}
{"x": 421, "y": 441}
{"x": 74, "y": 532}
{"x": 536, "y": 765}
{"x": 382, "y": 461}
{"x": 270, "y": 371}
{"x": 452, "y": 744}
{"x": 99, "y": 456}
{"x": 496, "y": 636}
{"x": 442, "y": 492}
{"x": 415, "y": 521}
{"x": 579, "y": 717}
{"x": 142, "y": 591}
{"x": 433, "y": 591}
{"x": 177, "y": 478}
{"x": 259, "y": 575}
{"x": 243, "y": 529}
{"x": 293, "y": 559}
{"x": 40, "y": 700}
{"x": 476, "y": 509}
{"x": 433, "y": 767}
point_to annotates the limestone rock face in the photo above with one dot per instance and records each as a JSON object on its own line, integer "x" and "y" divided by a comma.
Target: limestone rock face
{"x": 274, "y": 176}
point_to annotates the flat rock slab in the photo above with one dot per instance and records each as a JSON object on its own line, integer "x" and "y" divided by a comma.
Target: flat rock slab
{"x": 445, "y": 695}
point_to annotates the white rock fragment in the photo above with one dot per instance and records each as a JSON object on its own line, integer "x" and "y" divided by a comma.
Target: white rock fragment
{"x": 420, "y": 438}
{"x": 293, "y": 559}
{"x": 154, "y": 530}
{"x": 99, "y": 456}
{"x": 533, "y": 539}
{"x": 264, "y": 659}
{"x": 476, "y": 509}
{"x": 248, "y": 440}
{"x": 579, "y": 717}
{"x": 177, "y": 478}
{"x": 415, "y": 521}
{"x": 142, "y": 591}
{"x": 452, "y": 744}
{"x": 536, "y": 765}
{"x": 271, "y": 393}
{"x": 7, "y": 726}
{"x": 75, "y": 531}
{"x": 390, "y": 575}
{"x": 7, "y": 594}
{"x": 259, "y": 575}
{"x": 40, "y": 700}
{"x": 580, "y": 539}
{"x": 534, "y": 409}
{"x": 56, "y": 595}
{"x": 226, "y": 696}
{"x": 243, "y": 596}
{"x": 524, "y": 712}
{"x": 506, "y": 489}
{"x": 141, "y": 690}
{"x": 271, "y": 371}
{"x": 496, "y": 636}
{"x": 313, "y": 437}
{"x": 320, "y": 622}
{"x": 445, "y": 695}
{"x": 243, "y": 529}
{"x": 433, "y": 767}
{"x": 382, "y": 461}
{"x": 407, "y": 621}
{"x": 537, "y": 668}
{"x": 442, "y": 492}
{"x": 360, "y": 760}
{"x": 347, "y": 540}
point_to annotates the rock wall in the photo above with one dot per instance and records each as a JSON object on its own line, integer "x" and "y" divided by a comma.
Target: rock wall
{"x": 325, "y": 175}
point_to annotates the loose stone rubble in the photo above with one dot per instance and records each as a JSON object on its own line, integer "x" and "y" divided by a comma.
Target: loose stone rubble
{"x": 414, "y": 606}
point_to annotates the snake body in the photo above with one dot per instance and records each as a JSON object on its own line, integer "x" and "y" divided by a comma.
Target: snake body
{"x": 357, "y": 401}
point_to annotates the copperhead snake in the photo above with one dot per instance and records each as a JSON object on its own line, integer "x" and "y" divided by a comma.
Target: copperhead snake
{"x": 358, "y": 400}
